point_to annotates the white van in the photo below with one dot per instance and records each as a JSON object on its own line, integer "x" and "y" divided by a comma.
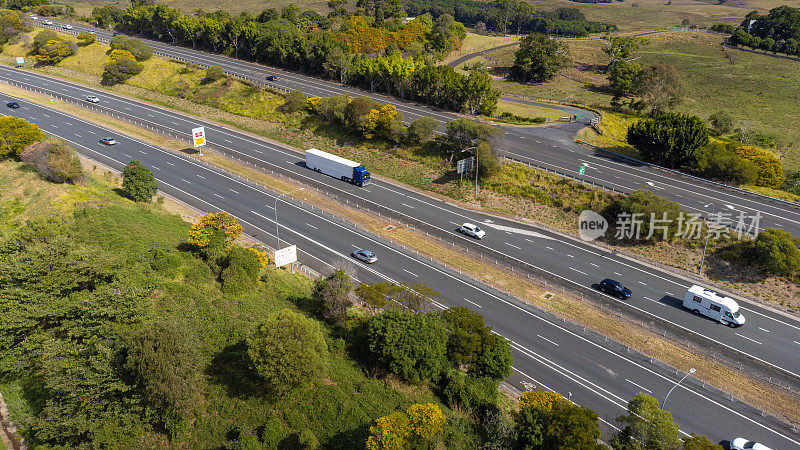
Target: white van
{"x": 711, "y": 304}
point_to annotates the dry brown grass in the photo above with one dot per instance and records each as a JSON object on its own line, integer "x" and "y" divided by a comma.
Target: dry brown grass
{"x": 564, "y": 304}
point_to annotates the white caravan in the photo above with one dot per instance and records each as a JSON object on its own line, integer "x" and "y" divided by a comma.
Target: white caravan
{"x": 716, "y": 306}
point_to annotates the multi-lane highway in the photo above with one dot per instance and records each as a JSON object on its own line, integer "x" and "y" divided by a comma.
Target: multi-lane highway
{"x": 548, "y": 353}
{"x": 768, "y": 336}
{"x": 550, "y": 147}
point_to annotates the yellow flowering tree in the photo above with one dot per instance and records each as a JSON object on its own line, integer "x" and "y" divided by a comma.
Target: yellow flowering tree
{"x": 426, "y": 420}
{"x": 538, "y": 399}
{"x": 418, "y": 422}
{"x": 263, "y": 259}
{"x": 118, "y": 54}
{"x": 389, "y": 432}
{"x": 200, "y": 234}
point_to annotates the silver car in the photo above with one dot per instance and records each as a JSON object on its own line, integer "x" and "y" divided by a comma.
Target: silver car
{"x": 744, "y": 444}
{"x": 108, "y": 141}
{"x": 365, "y": 256}
{"x": 92, "y": 99}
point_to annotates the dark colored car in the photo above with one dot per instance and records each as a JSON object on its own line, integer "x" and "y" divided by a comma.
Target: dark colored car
{"x": 12, "y": 105}
{"x": 615, "y": 288}
{"x": 271, "y": 78}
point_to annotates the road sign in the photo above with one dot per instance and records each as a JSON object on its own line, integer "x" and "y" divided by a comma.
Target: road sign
{"x": 285, "y": 256}
{"x": 465, "y": 165}
{"x": 199, "y": 136}
{"x": 20, "y": 60}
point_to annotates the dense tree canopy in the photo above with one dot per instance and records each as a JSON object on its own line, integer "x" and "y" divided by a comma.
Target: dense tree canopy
{"x": 505, "y": 15}
{"x": 777, "y": 31}
{"x": 16, "y": 134}
{"x": 138, "y": 182}
{"x": 646, "y": 426}
{"x": 539, "y": 58}
{"x": 288, "y": 350}
{"x": 669, "y": 139}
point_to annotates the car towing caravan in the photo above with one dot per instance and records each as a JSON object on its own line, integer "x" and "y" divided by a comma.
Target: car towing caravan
{"x": 704, "y": 301}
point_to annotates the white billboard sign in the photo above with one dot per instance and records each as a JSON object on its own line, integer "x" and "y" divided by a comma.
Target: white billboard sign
{"x": 20, "y": 60}
{"x": 285, "y": 256}
{"x": 199, "y": 136}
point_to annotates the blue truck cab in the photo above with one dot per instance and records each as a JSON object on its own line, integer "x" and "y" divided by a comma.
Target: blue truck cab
{"x": 360, "y": 176}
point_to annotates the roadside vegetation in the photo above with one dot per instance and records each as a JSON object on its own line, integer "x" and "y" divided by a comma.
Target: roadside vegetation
{"x": 407, "y": 154}
{"x": 168, "y": 322}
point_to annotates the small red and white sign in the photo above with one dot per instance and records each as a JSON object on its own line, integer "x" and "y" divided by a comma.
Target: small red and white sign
{"x": 199, "y": 136}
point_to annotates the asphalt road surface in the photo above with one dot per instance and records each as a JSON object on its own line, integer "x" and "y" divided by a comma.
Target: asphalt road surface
{"x": 767, "y": 336}
{"x": 548, "y": 353}
{"x": 551, "y": 147}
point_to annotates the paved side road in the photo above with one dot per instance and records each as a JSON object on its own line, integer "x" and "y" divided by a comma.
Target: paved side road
{"x": 551, "y": 147}
{"x": 548, "y": 353}
{"x": 657, "y": 293}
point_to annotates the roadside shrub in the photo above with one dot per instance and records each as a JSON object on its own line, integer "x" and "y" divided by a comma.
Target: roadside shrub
{"x": 716, "y": 161}
{"x": 467, "y": 392}
{"x": 16, "y": 134}
{"x": 53, "y": 52}
{"x": 138, "y": 183}
{"x": 86, "y": 38}
{"x": 164, "y": 358}
{"x": 644, "y": 205}
{"x": 120, "y": 71}
{"x": 413, "y": 346}
{"x": 332, "y": 296}
{"x": 288, "y": 350}
{"x": 139, "y": 50}
{"x": 213, "y": 74}
{"x": 42, "y": 38}
{"x": 55, "y": 161}
{"x": 515, "y": 119}
{"x": 775, "y": 251}
{"x": 165, "y": 262}
{"x": 420, "y": 130}
{"x": 721, "y": 122}
{"x": 769, "y": 170}
{"x": 242, "y": 271}
{"x": 669, "y": 139}
{"x": 295, "y": 101}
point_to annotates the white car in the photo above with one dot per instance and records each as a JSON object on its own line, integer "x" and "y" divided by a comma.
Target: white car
{"x": 33, "y": 17}
{"x": 744, "y": 444}
{"x": 66, "y": 26}
{"x": 472, "y": 231}
{"x": 47, "y": 22}
{"x": 92, "y": 99}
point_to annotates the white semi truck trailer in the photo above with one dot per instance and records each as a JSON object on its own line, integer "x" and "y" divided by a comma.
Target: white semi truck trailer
{"x": 337, "y": 167}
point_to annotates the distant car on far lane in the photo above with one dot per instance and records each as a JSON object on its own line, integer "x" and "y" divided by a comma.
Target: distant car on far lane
{"x": 615, "y": 288}
{"x": 12, "y": 105}
{"x": 92, "y": 99}
{"x": 66, "y": 26}
{"x": 47, "y": 22}
{"x": 472, "y": 231}
{"x": 271, "y": 78}
{"x": 33, "y": 17}
{"x": 365, "y": 256}
{"x": 744, "y": 444}
{"x": 108, "y": 141}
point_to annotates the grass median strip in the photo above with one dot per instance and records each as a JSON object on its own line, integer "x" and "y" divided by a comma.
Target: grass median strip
{"x": 565, "y": 304}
